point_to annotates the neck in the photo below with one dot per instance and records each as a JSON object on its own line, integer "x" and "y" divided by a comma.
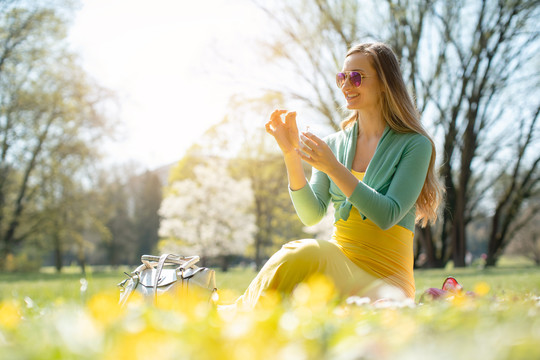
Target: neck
{"x": 370, "y": 125}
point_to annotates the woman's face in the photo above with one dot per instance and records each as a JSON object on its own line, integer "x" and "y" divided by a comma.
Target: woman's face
{"x": 367, "y": 95}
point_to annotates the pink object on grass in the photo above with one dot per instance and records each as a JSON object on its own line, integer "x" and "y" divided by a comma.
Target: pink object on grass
{"x": 435, "y": 293}
{"x": 450, "y": 287}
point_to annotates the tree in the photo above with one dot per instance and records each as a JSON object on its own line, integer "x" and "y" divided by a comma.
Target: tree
{"x": 527, "y": 238}
{"x": 491, "y": 58}
{"x": 120, "y": 246}
{"x": 147, "y": 195}
{"x": 51, "y": 122}
{"x": 72, "y": 216}
{"x": 127, "y": 200}
{"x": 209, "y": 215}
{"x": 274, "y": 213}
{"x": 520, "y": 185}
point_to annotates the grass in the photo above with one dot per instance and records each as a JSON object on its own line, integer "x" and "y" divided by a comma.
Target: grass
{"x": 513, "y": 277}
{"x": 47, "y": 286}
{"x": 55, "y": 316}
{"x": 503, "y": 280}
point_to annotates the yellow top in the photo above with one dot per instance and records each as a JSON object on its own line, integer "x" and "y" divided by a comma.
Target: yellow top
{"x": 386, "y": 254}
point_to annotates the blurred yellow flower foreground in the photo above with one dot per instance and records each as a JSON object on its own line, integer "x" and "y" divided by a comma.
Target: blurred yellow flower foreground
{"x": 310, "y": 325}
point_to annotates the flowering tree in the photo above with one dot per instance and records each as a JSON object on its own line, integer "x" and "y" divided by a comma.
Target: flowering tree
{"x": 209, "y": 215}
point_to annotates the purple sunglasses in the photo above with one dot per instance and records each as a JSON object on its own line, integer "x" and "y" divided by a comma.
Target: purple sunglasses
{"x": 354, "y": 76}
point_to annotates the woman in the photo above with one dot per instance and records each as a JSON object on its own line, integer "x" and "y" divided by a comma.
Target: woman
{"x": 379, "y": 172}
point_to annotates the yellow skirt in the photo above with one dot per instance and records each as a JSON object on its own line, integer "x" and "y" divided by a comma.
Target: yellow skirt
{"x": 299, "y": 260}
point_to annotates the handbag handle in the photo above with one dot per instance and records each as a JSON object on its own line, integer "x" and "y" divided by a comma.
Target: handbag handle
{"x": 171, "y": 258}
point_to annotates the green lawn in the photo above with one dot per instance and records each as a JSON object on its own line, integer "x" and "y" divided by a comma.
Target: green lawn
{"x": 48, "y": 286}
{"x": 56, "y": 316}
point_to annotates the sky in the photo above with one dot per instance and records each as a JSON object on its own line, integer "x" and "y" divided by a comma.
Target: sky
{"x": 158, "y": 58}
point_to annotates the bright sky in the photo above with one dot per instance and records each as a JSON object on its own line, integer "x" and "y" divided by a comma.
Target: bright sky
{"x": 160, "y": 58}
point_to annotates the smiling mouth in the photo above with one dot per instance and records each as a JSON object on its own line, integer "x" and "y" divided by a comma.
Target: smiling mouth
{"x": 351, "y": 96}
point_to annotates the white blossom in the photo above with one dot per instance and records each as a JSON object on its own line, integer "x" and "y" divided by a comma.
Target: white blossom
{"x": 209, "y": 215}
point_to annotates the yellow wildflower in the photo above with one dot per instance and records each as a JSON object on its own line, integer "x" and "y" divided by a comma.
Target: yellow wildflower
{"x": 10, "y": 315}
{"x": 104, "y": 308}
{"x": 481, "y": 288}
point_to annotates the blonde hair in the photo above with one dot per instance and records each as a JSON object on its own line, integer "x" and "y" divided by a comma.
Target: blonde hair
{"x": 401, "y": 115}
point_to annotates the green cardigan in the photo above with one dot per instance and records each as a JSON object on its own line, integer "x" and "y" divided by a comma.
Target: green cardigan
{"x": 391, "y": 185}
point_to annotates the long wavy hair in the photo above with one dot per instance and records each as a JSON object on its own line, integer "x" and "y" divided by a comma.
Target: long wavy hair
{"x": 401, "y": 115}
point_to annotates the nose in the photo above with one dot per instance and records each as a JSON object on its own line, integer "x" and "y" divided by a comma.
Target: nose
{"x": 347, "y": 83}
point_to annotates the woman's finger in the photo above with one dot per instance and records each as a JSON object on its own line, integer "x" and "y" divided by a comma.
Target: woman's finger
{"x": 307, "y": 141}
{"x": 278, "y": 113}
{"x": 268, "y": 127}
{"x": 305, "y": 157}
{"x": 306, "y": 149}
{"x": 275, "y": 117}
{"x": 290, "y": 119}
{"x": 312, "y": 137}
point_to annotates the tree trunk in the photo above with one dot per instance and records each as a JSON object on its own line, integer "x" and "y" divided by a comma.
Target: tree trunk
{"x": 470, "y": 144}
{"x": 5, "y": 254}
{"x": 226, "y": 260}
{"x": 450, "y": 201}
{"x": 58, "y": 252}
{"x": 9, "y": 237}
{"x": 81, "y": 258}
{"x": 425, "y": 236}
{"x": 516, "y": 193}
{"x": 258, "y": 251}
{"x": 458, "y": 235}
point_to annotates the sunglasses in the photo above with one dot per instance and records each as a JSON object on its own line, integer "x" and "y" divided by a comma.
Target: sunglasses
{"x": 354, "y": 76}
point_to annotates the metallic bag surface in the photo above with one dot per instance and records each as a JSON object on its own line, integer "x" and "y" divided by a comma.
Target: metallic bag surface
{"x": 172, "y": 274}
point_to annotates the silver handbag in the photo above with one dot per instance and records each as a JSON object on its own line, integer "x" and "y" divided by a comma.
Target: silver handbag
{"x": 168, "y": 273}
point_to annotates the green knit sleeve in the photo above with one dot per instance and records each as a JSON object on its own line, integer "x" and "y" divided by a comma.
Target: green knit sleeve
{"x": 311, "y": 201}
{"x": 388, "y": 209}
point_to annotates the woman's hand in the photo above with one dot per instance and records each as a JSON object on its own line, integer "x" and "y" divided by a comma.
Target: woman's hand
{"x": 317, "y": 153}
{"x": 284, "y": 131}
